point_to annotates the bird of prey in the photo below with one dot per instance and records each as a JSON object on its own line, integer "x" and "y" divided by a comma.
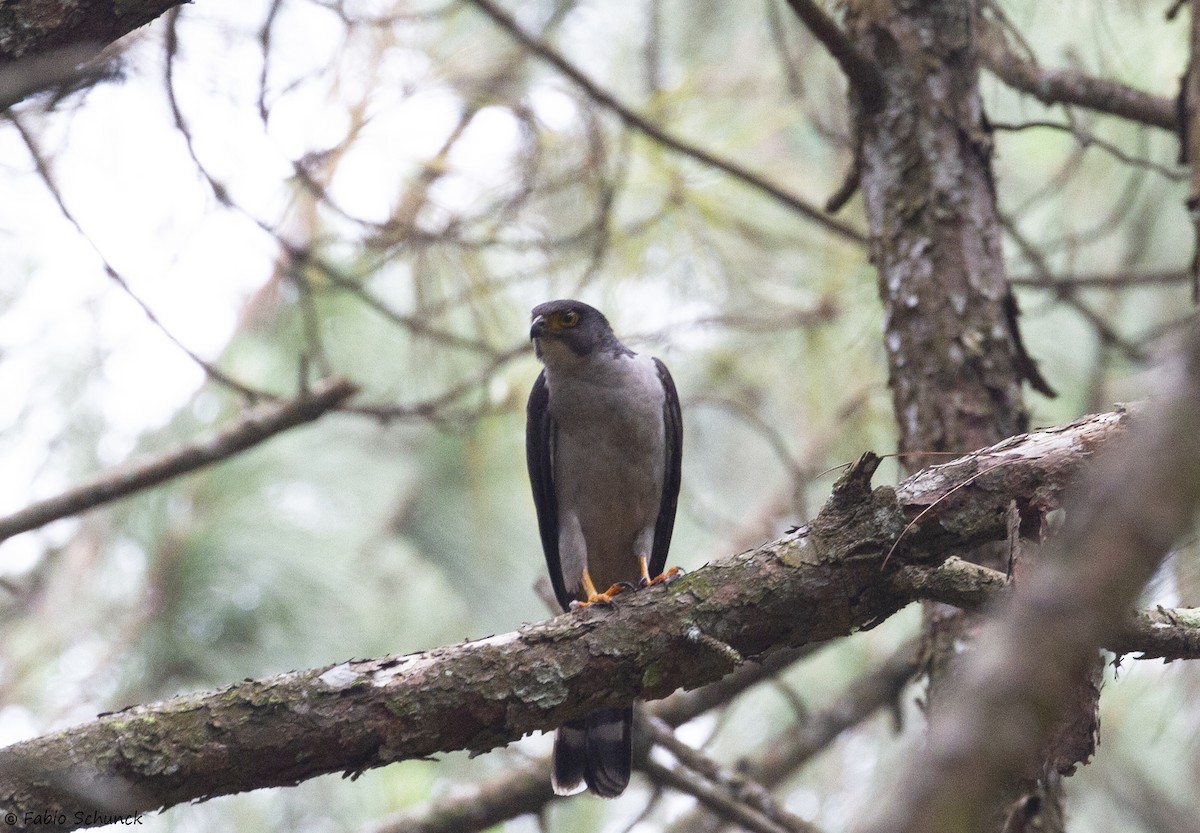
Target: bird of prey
{"x": 603, "y": 443}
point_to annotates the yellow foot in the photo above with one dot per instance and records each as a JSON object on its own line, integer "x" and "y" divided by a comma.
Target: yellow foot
{"x": 592, "y": 597}
{"x": 661, "y": 578}
{"x": 604, "y": 598}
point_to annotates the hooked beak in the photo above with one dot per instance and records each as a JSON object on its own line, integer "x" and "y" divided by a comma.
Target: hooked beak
{"x": 538, "y": 328}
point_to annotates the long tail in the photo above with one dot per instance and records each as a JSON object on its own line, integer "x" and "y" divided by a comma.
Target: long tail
{"x": 596, "y": 751}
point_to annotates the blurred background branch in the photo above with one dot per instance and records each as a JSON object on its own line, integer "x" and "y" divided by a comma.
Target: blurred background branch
{"x": 238, "y": 199}
{"x": 250, "y": 430}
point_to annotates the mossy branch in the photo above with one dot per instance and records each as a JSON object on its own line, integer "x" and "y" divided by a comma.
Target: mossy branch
{"x": 824, "y": 580}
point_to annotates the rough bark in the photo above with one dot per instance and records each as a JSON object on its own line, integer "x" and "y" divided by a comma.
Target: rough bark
{"x": 35, "y": 27}
{"x": 954, "y": 355}
{"x": 1141, "y": 497}
{"x": 956, "y": 363}
{"x": 862, "y": 558}
{"x": 1188, "y": 116}
{"x": 525, "y": 790}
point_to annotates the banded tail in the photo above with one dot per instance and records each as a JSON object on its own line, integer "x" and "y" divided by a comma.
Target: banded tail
{"x": 597, "y": 752}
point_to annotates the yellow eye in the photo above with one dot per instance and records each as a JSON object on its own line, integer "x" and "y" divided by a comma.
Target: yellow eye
{"x": 570, "y": 318}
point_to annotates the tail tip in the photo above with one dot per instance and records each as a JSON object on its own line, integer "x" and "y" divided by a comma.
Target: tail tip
{"x": 567, "y": 787}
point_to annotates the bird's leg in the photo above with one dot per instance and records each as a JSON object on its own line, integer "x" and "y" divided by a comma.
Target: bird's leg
{"x": 589, "y": 590}
{"x": 661, "y": 578}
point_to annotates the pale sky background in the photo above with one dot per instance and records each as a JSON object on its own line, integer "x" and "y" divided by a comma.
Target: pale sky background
{"x": 124, "y": 172}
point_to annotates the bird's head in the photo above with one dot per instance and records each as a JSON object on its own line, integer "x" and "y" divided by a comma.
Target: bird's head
{"x": 565, "y": 332}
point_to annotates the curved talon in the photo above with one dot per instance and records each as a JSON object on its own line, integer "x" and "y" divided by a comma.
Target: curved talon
{"x": 669, "y": 576}
{"x": 665, "y": 577}
{"x": 604, "y": 598}
{"x": 661, "y": 578}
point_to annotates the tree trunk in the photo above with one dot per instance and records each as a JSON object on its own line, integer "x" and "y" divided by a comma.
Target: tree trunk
{"x": 956, "y": 363}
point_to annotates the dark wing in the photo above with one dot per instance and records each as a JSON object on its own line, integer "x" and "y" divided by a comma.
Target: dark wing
{"x": 673, "y": 419}
{"x": 540, "y": 431}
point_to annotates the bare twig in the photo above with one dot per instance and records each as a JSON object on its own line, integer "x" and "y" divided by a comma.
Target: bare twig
{"x": 838, "y": 199}
{"x": 1105, "y": 331}
{"x": 1061, "y": 86}
{"x": 1108, "y": 223}
{"x": 658, "y": 134}
{"x": 417, "y": 324}
{"x": 264, "y": 39}
{"x": 738, "y": 787}
{"x": 864, "y": 75}
{"x": 745, "y": 411}
{"x": 715, "y": 798}
{"x": 1132, "y": 280}
{"x": 522, "y": 790}
{"x": 432, "y": 407}
{"x": 43, "y": 168}
{"x": 1052, "y": 186}
{"x": 260, "y": 424}
{"x": 790, "y": 749}
{"x": 1087, "y": 139}
{"x": 682, "y": 706}
{"x": 875, "y": 690}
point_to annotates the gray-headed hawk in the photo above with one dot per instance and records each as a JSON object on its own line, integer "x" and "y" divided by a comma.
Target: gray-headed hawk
{"x": 603, "y": 443}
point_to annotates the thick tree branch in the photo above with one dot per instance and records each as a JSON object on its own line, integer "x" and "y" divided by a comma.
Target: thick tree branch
{"x": 34, "y": 27}
{"x": 258, "y": 425}
{"x": 526, "y": 789}
{"x": 1160, "y": 633}
{"x": 1062, "y": 86}
{"x": 58, "y": 71}
{"x": 648, "y": 128}
{"x": 955, "y": 369}
{"x": 824, "y": 580}
{"x": 1006, "y": 703}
